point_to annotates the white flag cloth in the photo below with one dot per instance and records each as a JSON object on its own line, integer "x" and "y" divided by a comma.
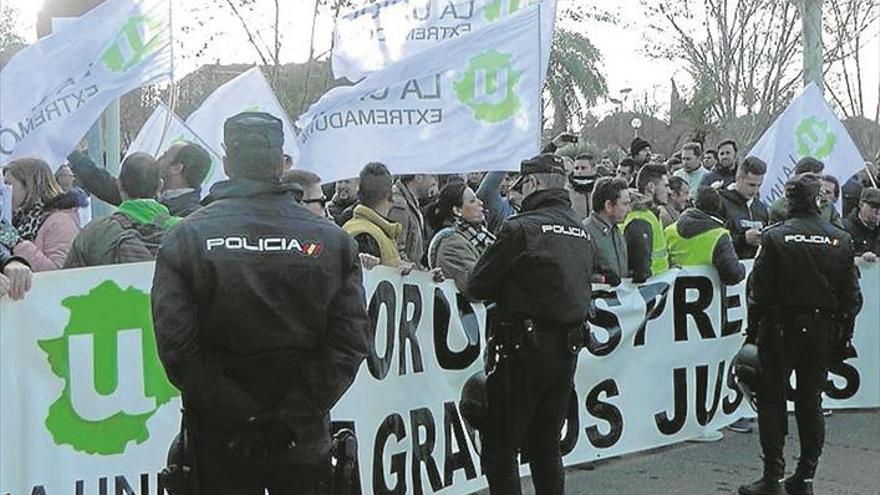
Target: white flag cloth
{"x": 53, "y": 91}
{"x": 384, "y": 32}
{"x": 249, "y": 92}
{"x": 808, "y": 127}
{"x": 471, "y": 103}
{"x": 155, "y": 139}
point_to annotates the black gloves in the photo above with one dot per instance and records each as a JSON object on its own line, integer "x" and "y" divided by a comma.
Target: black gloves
{"x": 262, "y": 434}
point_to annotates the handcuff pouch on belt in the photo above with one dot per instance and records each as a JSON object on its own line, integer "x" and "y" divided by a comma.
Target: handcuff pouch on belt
{"x": 509, "y": 339}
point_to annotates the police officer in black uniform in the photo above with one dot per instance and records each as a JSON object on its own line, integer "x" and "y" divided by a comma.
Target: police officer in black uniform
{"x": 538, "y": 272}
{"x": 260, "y": 321}
{"x": 804, "y": 294}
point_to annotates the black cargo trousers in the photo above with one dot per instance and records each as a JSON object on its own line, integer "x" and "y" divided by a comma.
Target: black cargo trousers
{"x": 799, "y": 342}
{"x": 529, "y": 393}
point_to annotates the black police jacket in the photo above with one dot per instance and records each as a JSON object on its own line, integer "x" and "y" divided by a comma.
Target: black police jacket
{"x": 258, "y": 306}
{"x": 540, "y": 265}
{"x": 804, "y": 264}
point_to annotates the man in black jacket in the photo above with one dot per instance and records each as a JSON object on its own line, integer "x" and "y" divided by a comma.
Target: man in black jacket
{"x": 260, "y": 321}
{"x": 538, "y": 272}
{"x": 803, "y": 285}
{"x": 724, "y": 172}
{"x": 183, "y": 169}
{"x": 863, "y": 224}
{"x": 745, "y": 214}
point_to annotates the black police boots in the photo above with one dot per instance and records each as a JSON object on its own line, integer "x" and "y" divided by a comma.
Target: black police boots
{"x": 770, "y": 483}
{"x": 801, "y": 482}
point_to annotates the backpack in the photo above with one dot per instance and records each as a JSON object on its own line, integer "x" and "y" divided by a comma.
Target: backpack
{"x": 138, "y": 242}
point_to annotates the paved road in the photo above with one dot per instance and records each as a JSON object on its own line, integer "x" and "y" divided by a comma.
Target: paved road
{"x": 850, "y": 464}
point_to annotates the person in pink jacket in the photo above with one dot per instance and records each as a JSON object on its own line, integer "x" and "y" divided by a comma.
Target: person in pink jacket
{"x": 45, "y": 219}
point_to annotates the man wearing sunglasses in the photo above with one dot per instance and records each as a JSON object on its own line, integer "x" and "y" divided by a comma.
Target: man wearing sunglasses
{"x": 313, "y": 198}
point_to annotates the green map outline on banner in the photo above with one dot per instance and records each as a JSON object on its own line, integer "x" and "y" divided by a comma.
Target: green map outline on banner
{"x": 103, "y": 313}
{"x": 491, "y": 61}
{"x": 808, "y": 135}
{"x": 114, "y": 57}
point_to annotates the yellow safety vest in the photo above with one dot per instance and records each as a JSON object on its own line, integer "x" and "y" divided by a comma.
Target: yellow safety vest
{"x": 659, "y": 261}
{"x": 384, "y": 231}
{"x": 693, "y": 251}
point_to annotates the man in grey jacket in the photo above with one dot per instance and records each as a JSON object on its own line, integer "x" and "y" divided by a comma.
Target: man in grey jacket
{"x": 611, "y": 203}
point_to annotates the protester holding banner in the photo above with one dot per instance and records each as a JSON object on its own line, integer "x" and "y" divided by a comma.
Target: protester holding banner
{"x": 744, "y": 213}
{"x": 15, "y": 274}
{"x": 183, "y": 168}
{"x": 283, "y": 323}
{"x": 45, "y": 219}
{"x": 645, "y": 241}
{"x": 538, "y": 272}
{"x": 804, "y": 296}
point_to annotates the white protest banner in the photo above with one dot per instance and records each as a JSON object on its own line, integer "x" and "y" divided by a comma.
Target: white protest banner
{"x": 808, "y": 127}
{"x": 383, "y": 32}
{"x": 154, "y": 138}
{"x": 248, "y": 92}
{"x": 53, "y": 91}
{"x": 471, "y": 103}
{"x": 84, "y": 403}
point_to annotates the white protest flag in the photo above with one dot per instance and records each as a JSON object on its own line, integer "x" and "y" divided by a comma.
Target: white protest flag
{"x": 249, "y": 92}
{"x": 808, "y": 127}
{"x": 470, "y": 103}
{"x": 386, "y": 31}
{"x": 53, "y": 91}
{"x": 154, "y": 138}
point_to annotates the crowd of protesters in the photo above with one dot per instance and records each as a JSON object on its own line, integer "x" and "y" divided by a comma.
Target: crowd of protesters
{"x": 640, "y": 213}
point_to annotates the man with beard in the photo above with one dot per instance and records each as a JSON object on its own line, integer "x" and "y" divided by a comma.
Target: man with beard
{"x": 676, "y": 202}
{"x": 640, "y": 151}
{"x": 725, "y": 172}
{"x": 581, "y": 180}
{"x": 343, "y": 201}
{"x": 692, "y": 168}
{"x": 645, "y": 240}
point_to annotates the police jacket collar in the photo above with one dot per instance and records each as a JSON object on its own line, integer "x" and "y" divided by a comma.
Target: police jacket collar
{"x": 546, "y": 198}
{"x": 242, "y": 188}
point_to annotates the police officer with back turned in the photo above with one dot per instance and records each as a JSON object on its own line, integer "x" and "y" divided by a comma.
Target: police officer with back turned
{"x": 260, "y": 321}
{"x": 804, "y": 296}
{"x": 538, "y": 273}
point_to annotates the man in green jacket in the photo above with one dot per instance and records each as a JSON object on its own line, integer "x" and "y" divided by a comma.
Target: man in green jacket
{"x": 134, "y": 231}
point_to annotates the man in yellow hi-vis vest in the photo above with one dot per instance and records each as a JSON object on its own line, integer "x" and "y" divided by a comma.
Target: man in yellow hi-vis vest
{"x": 699, "y": 238}
{"x": 645, "y": 242}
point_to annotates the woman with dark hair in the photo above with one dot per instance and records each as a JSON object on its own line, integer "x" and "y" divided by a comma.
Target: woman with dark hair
{"x": 462, "y": 236}
{"x": 45, "y": 219}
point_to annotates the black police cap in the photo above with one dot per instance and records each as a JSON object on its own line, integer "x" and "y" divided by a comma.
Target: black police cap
{"x": 546, "y": 163}
{"x": 253, "y": 131}
{"x": 802, "y": 190}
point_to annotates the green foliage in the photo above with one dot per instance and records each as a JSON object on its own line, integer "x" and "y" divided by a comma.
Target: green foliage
{"x": 574, "y": 81}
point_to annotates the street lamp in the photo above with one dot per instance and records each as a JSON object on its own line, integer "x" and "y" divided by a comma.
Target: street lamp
{"x": 636, "y": 124}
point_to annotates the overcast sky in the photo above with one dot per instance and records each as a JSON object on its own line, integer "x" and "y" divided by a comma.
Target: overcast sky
{"x": 625, "y": 65}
